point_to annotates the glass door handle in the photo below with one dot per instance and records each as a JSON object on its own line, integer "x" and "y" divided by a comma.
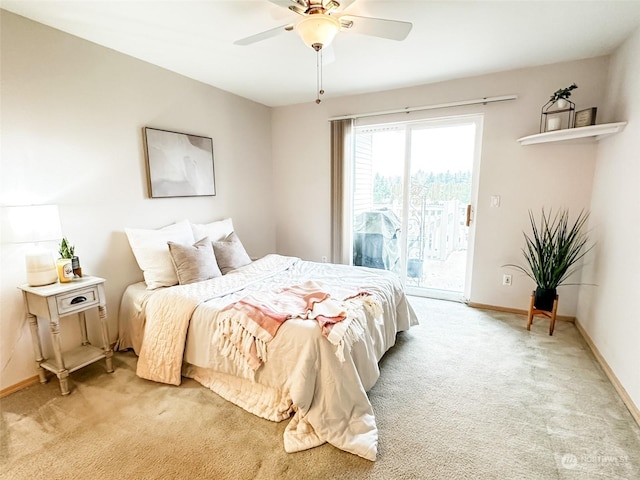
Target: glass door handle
{"x": 468, "y": 221}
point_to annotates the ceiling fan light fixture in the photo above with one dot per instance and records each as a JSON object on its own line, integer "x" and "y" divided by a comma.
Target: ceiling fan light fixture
{"x": 317, "y": 30}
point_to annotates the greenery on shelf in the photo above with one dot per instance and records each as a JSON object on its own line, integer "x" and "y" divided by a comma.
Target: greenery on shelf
{"x": 66, "y": 249}
{"x": 563, "y": 93}
{"x": 554, "y": 248}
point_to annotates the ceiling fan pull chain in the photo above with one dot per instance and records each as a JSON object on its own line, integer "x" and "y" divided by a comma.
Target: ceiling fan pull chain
{"x": 321, "y": 63}
{"x": 319, "y": 74}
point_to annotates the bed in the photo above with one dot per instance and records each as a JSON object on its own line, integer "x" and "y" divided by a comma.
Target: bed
{"x": 314, "y": 370}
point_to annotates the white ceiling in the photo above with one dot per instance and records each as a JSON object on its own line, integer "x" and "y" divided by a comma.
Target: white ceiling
{"x": 449, "y": 39}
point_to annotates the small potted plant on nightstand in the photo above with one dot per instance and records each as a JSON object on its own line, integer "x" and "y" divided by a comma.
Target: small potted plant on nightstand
{"x": 551, "y": 253}
{"x": 68, "y": 264}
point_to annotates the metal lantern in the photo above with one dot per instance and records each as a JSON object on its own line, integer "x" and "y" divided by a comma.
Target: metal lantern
{"x": 556, "y": 113}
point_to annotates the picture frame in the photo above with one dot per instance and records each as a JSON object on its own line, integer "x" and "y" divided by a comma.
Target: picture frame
{"x": 178, "y": 164}
{"x": 585, "y": 117}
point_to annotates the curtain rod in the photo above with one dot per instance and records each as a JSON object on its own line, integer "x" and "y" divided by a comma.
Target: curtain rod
{"x": 462, "y": 103}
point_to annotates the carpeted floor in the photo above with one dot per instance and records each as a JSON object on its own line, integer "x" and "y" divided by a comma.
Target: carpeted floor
{"x": 468, "y": 394}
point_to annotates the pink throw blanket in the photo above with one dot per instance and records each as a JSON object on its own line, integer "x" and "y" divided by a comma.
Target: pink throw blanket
{"x": 252, "y": 322}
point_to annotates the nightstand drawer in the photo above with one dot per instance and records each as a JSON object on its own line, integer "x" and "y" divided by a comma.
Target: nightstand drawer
{"x": 77, "y": 300}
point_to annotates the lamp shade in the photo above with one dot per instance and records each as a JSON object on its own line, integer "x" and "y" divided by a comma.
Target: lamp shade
{"x": 317, "y": 31}
{"x": 30, "y": 224}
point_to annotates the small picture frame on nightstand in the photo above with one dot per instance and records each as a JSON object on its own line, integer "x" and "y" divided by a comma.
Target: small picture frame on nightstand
{"x": 585, "y": 117}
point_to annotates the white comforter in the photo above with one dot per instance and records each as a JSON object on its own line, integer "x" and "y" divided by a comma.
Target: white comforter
{"x": 303, "y": 373}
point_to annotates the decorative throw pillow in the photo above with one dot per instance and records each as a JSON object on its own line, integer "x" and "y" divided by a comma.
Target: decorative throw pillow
{"x": 216, "y": 231}
{"x": 230, "y": 254}
{"x": 194, "y": 263}
{"x": 152, "y": 252}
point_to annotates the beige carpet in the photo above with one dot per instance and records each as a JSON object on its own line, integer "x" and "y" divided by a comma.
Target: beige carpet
{"x": 468, "y": 394}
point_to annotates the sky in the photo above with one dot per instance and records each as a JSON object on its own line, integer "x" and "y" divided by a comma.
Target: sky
{"x": 434, "y": 149}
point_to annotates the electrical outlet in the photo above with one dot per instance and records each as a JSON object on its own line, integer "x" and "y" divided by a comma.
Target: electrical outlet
{"x": 324, "y": 259}
{"x": 506, "y": 279}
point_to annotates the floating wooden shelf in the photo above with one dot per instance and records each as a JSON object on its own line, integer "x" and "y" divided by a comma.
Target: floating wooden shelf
{"x": 592, "y": 132}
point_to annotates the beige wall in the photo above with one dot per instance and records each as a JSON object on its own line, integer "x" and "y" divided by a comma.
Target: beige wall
{"x": 607, "y": 311}
{"x": 551, "y": 175}
{"x": 72, "y": 114}
{"x": 72, "y": 119}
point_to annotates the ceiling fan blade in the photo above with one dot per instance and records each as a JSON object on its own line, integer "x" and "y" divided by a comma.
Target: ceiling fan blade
{"x": 300, "y": 6}
{"x": 377, "y": 27}
{"x": 288, "y": 3}
{"x": 258, "y": 37}
{"x": 344, "y": 4}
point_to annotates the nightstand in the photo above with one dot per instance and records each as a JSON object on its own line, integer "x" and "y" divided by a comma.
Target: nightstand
{"x": 58, "y": 300}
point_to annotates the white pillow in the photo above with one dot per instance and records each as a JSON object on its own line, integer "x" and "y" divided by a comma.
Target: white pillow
{"x": 152, "y": 252}
{"x": 216, "y": 231}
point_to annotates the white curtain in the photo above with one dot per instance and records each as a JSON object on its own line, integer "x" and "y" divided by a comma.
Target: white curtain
{"x": 342, "y": 146}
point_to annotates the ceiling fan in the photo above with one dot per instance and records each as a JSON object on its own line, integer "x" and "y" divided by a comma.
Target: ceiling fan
{"x": 322, "y": 20}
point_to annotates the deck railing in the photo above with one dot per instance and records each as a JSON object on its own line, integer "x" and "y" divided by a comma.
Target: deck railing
{"x": 436, "y": 230}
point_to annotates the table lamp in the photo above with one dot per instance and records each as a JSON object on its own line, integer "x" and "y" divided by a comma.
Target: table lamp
{"x": 33, "y": 224}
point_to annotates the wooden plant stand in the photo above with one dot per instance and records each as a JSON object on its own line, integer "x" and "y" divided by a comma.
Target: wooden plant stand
{"x": 534, "y": 311}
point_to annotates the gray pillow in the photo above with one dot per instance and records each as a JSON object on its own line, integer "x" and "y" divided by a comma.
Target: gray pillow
{"x": 194, "y": 263}
{"x": 230, "y": 253}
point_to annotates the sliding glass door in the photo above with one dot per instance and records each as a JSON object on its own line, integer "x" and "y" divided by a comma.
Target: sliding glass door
{"x": 413, "y": 184}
